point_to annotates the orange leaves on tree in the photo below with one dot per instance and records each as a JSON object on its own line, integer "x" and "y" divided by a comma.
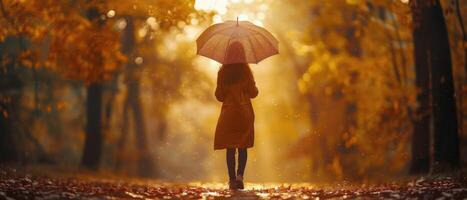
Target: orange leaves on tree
{"x": 91, "y": 53}
{"x": 350, "y": 75}
{"x": 76, "y": 47}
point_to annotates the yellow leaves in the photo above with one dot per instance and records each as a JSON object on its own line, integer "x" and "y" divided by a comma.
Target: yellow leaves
{"x": 167, "y": 13}
{"x": 354, "y": 2}
{"x": 315, "y": 67}
{"x": 78, "y": 48}
{"x": 335, "y": 40}
{"x": 328, "y": 90}
{"x": 91, "y": 53}
{"x": 332, "y": 66}
{"x": 302, "y": 86}
{"x": 302, "y": 50}
{"x": 363, "y": 87}
{"x": 21, "y": 19}
{"x": 306, "y": 77}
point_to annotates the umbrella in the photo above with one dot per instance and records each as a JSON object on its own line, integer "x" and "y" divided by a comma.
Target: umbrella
{"x": 256, "y": 41}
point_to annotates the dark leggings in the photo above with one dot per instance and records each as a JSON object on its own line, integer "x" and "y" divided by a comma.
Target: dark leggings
{"x": 242, "y": 156}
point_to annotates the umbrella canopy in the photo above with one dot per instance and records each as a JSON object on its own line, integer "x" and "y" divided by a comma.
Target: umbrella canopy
{"x": 256, "y": 41}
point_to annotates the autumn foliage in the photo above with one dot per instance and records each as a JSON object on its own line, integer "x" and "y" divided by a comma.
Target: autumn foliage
{"x": 342, "y": 101}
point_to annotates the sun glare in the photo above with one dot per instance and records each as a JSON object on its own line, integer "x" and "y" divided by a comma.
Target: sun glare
{"x": 231, "y": 9}
{"x": 243, "y": 17}
{"x": 219, "y": 6}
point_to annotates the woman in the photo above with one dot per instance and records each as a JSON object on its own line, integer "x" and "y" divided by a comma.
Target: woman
{"x": 235, "y": 128}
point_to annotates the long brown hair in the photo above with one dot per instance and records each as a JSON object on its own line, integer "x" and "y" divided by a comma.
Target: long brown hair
{"x": 234, "y": 73}
{"x": 236, "y": 68}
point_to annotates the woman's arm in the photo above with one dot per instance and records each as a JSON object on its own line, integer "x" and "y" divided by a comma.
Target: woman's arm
{"x": 252, "y": 89}
{"x": 219, "y": 88}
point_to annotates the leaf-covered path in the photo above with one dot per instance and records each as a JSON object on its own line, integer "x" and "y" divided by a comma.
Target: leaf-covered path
{"x": 15, "y": 185}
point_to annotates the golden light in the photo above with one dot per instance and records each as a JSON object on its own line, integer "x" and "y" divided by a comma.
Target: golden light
{"x": 264, "y": 7}
{"x": 194, "y": 21}
{"x": 151, "y": 21}
{"x": 258, "y": 23}
{"x": 261, "y": 15}
{"x": 142, "y": 32}
{"x": 219, "y": 6}
{"x": 243, "y": 17}
{"x": 191, "y": 32}
{"x": 241, "y": 10}
{"x": 217, "y": 19}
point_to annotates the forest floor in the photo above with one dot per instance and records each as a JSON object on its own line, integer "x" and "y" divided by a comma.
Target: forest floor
{"x": 16, "y": 184}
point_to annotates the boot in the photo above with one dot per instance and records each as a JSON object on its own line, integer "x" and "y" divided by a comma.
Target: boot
{"x": 239, "y": 181}
{"x": 233, "y": 184}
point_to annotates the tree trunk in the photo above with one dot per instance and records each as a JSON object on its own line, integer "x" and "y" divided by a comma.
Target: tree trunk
{"x": 464, "y": 36}
{"x": 461, "y": 94}
{"x": 446, "y": 141}
{"x": 145, "y": 162}
{"x": 93, "y": 142}
{"x": 124, "y": 135}
{"x": 11, "y": 90}
{"x": 401, "y": 49}
{"x": 395, "y": 65}
{"x": 421, "y": 133}
{"x": 433, "y": 66}
{"x": 8, "y": 147}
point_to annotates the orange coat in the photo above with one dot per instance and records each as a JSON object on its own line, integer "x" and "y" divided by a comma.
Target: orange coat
{"x": 235, "y": 127}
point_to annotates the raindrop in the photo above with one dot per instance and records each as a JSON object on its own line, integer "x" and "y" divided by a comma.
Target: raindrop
{"x": 151, "y": 20}
{"x": 121, "y": 24}
{"x": 139, "y": 60}
{"x": 111, "y": 13}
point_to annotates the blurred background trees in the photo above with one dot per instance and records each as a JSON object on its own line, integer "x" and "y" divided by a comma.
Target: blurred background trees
{"x": 358, "y": 90}
{"x": 116, "y": 86}
{"x": 435, "y": 78}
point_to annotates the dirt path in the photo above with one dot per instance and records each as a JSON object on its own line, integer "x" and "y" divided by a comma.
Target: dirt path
{"x": 14, "y": 185}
